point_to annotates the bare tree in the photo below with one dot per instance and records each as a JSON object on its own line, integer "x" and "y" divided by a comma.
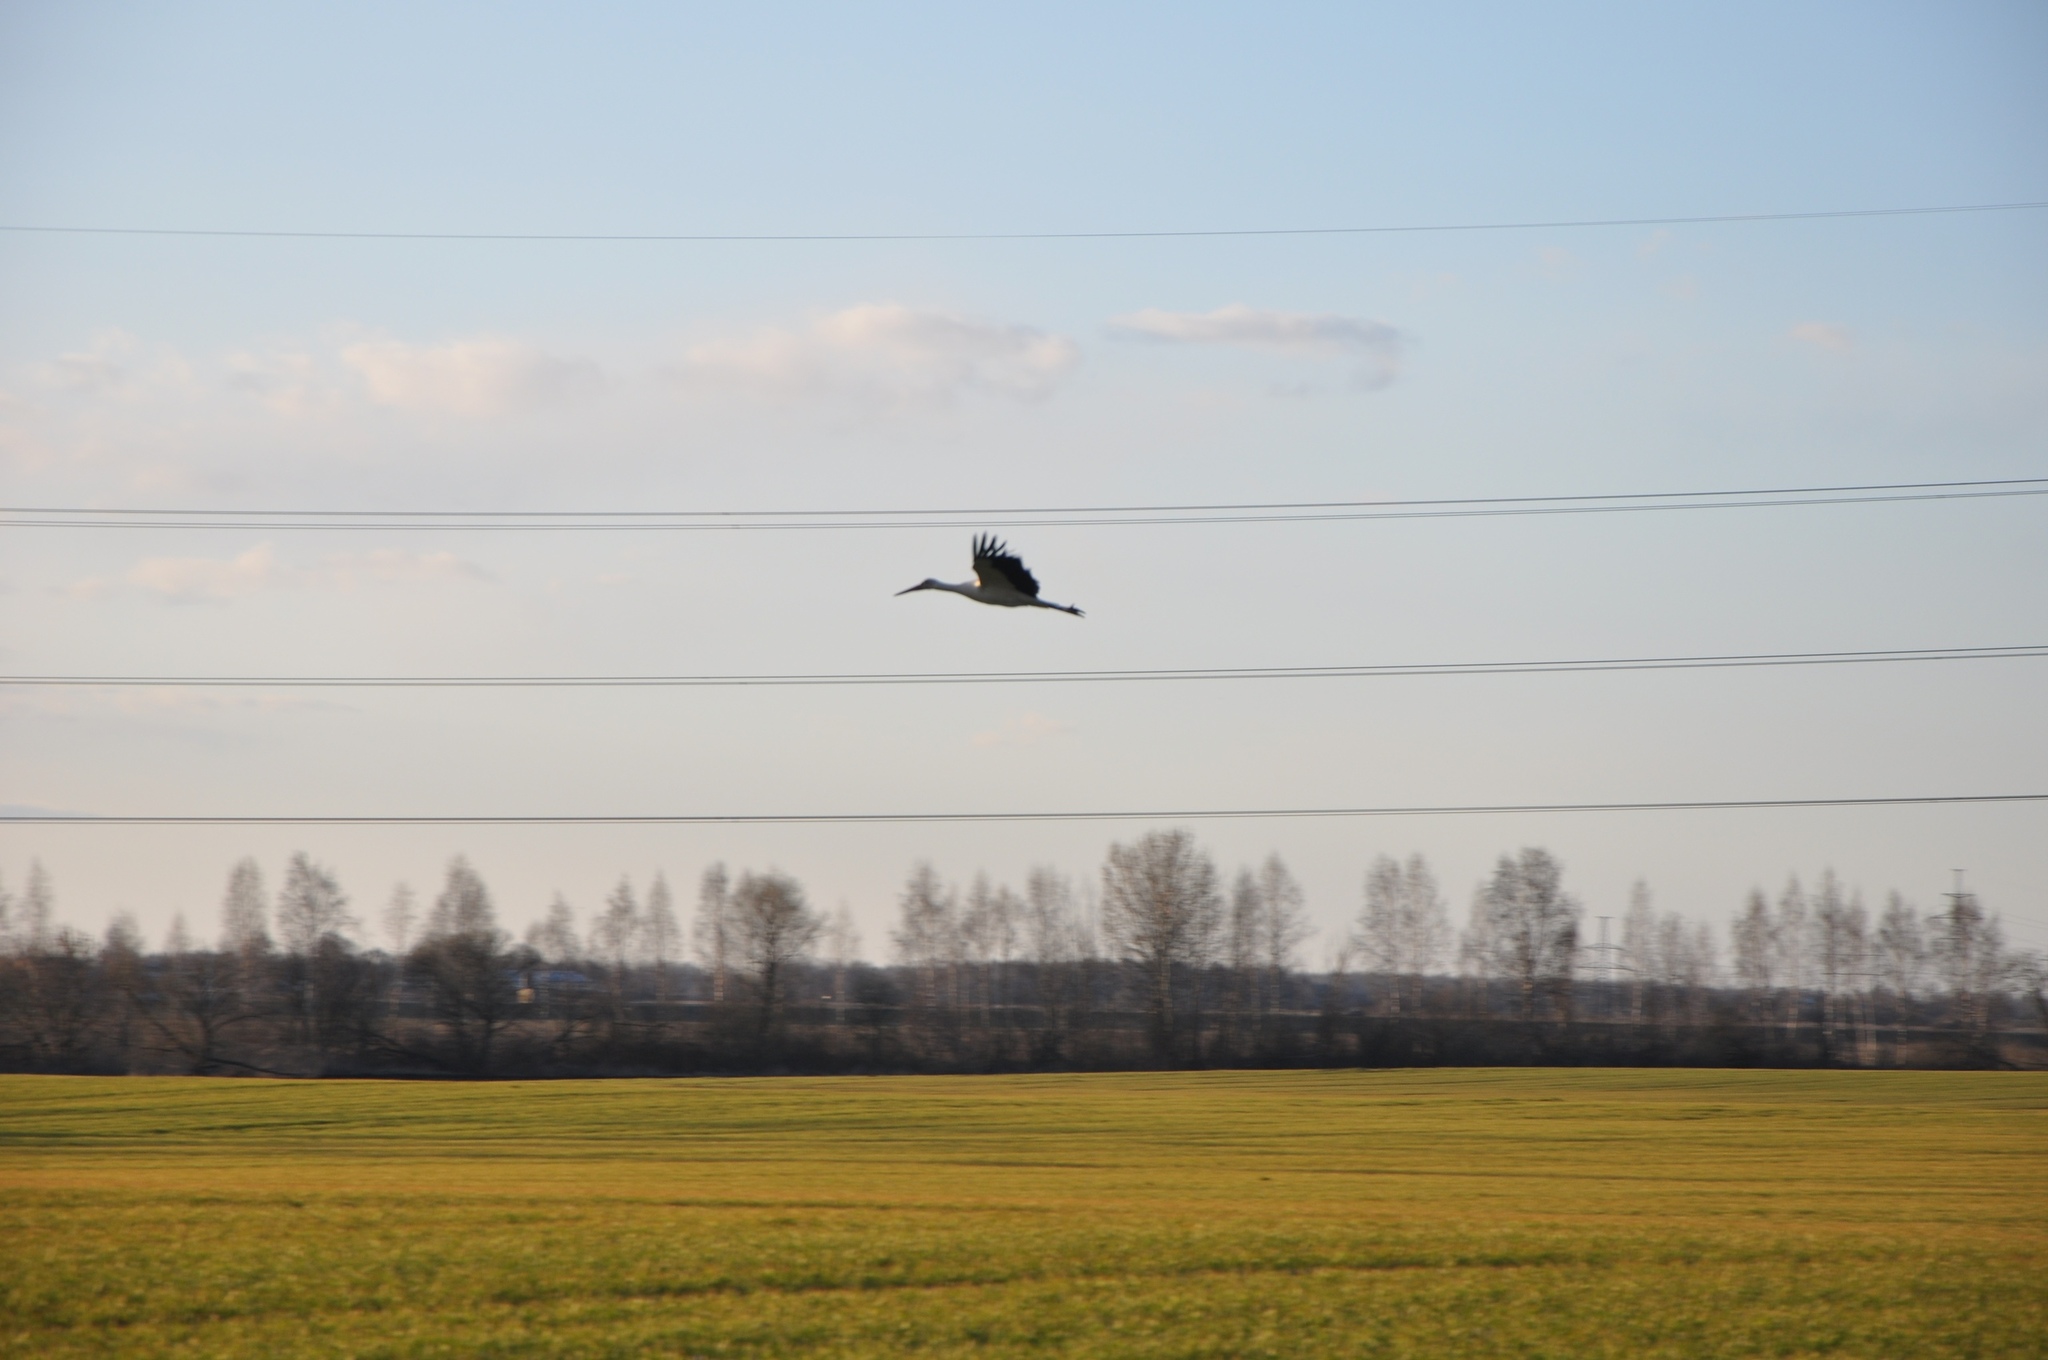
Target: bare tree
{"x": 1057, "y": 943}
{"x": 245, "y": 912}
{"x": 1009, "y": 926}
{"x": 1244, "y": 1003}
{"x": 1336, "y": 995}
{"x": 401, "y": 916}
{"x": 1685, "y": 954}
{"x": 198, "y": 1001}
{"x": 1161, "y": 911}
{"x": 1265, "y": 924}
{"x": 1675, "y": 965}
{"x": 1791, "y": 938}
{"x": 1283, "y": 922}
{"x": 615, "y": 939}
{"x": 464, "y": 906}
{"x": 1838, "y": 949}
{"x": 1053, "y": 933}
{"x": 842, "y": 949}
{"x": 36, "y": 912}
{"x": 662, "y": 935}
{"x": 713, "y": 927}
{"x": 1756, "y": 955}
{"x": 1403, "y": 931}
{"x": 1639, "y": 951}
{"x": 52, "y": 992}
{"x": 1899, "y": 951}
{"x": 927, "y": 936}
{"x": 553, "y": 937}
{"x": 2030, "y": 971}
{"x": 1968, "y": 949}
{"x": 310, "y": 905}
{"x": 561, "y": 994}
{"x": 469, "y": 975}
{"x": 978, "y": 925}
{"x": 1530, "y": 928}
{"x": 1706, "y": 968}
{"x": 123, "y": 939}
{"x": 121, "y": 973}
{"x": 774, "y": 929}
{"x": 987, "y": 937}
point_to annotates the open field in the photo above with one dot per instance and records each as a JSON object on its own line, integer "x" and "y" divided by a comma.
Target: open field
{"x": 1457, "y": 1213}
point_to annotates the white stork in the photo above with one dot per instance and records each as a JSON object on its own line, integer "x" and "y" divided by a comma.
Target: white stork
{"x": 999, "y": 578}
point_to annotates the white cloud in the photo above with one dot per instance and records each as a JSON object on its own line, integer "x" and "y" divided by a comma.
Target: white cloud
{"x": 480, "y": 377}
{"x": 476, "y": 376}
{"x": 87, "y": 588}
{"x": 1824, "y": 335}
{"x": 1023, "y": 729}
{"x": 887, "y": 351}
{"x": 191, "y": 579}
{"x": 291, "y": 382}
{"x": 208, "y": 578}
{"x": 346, "y": 571}
{"x": 101, "y": 367}
{"x": 1376, "y": 345}
{"x": 117, "y": 365}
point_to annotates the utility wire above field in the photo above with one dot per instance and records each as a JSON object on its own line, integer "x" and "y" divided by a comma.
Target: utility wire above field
{"x": 893, "y": 818}
{"x": 1567, "y": 666}
{"x": 1078, "y": 516}
{"x": 1558, "y": 224}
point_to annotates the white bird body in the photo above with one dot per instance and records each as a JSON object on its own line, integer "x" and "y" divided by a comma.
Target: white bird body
{"x": 1000, "y": 578}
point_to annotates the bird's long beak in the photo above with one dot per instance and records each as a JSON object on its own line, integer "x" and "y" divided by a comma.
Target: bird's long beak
{"x": 921, "y": 585}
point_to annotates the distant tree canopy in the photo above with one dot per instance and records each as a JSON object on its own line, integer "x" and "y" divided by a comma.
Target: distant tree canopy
{"x": 1160, "y": 912}
{"x": 1151, "y": 963}
{"x": 1525, "y": 927}
{"x": 773, "y": 930}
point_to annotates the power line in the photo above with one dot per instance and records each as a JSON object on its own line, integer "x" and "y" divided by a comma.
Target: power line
{"x": 1588, "y": 664}
{"x": 880, "y": 818}
{"x": 827, "y": 237}
{"x": 78, "y": 517}
{"x": 1053, "y": 509}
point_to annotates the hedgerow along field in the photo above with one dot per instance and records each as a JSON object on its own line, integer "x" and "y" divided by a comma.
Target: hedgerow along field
{"x": 1443, "y": 1213}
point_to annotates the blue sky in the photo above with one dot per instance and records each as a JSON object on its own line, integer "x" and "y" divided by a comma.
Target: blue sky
{"x": 213, "y": 372}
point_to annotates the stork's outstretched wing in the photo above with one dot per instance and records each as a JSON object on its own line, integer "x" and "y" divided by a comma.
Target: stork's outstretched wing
{"x": 995, "y": 566}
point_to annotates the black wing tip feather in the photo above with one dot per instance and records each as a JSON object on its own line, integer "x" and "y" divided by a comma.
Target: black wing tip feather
{"x": 992, "y": 550}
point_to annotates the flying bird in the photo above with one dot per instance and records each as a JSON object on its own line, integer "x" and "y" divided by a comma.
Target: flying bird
{"x": 999, "y": 578}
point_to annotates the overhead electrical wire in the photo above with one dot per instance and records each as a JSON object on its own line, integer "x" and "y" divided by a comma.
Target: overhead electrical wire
{"x": 1569, "y": 666}
{"x": 1707, "y": 219}
{"x": 86, "y": 517}
{"x": 1058, "y": 509}
{"x": 882, "y": 818}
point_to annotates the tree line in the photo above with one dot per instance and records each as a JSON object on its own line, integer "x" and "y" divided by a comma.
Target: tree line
{"x": 1157, "y": 960}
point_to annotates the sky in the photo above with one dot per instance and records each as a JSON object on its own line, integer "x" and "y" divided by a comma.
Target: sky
{"x": 192, "y": 372}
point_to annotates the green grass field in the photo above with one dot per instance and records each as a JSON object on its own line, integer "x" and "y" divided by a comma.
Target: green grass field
{"x": 1453, "y": 1213}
